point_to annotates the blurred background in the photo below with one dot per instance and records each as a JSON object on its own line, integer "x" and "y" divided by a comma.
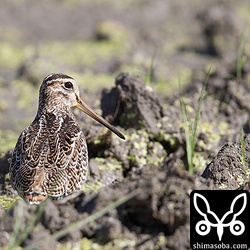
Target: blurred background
{"x": 93, "y": 41}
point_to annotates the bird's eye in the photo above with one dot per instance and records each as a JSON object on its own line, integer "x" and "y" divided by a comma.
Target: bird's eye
{"x": 68, "y": 85}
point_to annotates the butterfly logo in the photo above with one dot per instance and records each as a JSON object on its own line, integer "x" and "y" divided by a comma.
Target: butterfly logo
{"x": 210, "y": 219}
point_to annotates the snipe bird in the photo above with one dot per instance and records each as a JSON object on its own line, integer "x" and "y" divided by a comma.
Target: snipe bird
{"x": 51, "y": 158}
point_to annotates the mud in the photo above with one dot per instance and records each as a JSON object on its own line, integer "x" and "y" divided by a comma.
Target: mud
{"x": 150, "y": 166}
{"x": 159, "y": 212}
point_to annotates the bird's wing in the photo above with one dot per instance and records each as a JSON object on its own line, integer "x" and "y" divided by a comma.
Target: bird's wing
{"x": 26, "y": 159}
{"x": 50, "y": 158}
{"x": 70, "y": 161}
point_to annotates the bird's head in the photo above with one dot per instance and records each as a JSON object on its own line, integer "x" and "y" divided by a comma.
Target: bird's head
{"x": 60, "y": 91}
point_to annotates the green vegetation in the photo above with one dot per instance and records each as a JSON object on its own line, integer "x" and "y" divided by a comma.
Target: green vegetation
{"x": 189, "y": 126}
{"x": 150, "y": 69}
{"x": 241, "y": 57}
{"x": 243, "y": 152}
{"x": 72, "y": 227}
{"x": 19, "y": 235}
{"x": 13, "y": 55}
{"x": 7, "y": 202}
{"x": 22, "y": 228}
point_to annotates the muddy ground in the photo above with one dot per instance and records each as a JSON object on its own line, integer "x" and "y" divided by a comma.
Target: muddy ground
{"x": 137, "y": 193}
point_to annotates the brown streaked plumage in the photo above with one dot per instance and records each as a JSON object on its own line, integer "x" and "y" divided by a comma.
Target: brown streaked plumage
{"x": 50, "y": 157}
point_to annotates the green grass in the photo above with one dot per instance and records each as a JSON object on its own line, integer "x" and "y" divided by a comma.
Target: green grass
{"x": 241, "y": 58}
{"x": 18, "y": 235}
{"x": 243, "y": 152}
{"x": 149, "y": 75}
{"x": 74, "y": 226}
{"x": 189, "y": 126}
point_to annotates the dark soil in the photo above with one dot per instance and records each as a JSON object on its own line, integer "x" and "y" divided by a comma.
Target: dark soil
{"x": 152, "y": 163}
{"x": 161, "y": 206}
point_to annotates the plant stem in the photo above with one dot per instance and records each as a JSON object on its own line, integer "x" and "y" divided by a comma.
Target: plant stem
{"x": 240, "y": 59}
{"x": 191, "y": 129}
{"x": 79, "y": 224}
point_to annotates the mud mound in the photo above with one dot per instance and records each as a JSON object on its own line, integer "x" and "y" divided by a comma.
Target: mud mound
{"x": 227, "y": 169}
{"x": 131, "y": 104}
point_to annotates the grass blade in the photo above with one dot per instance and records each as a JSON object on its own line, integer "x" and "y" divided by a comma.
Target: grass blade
{"x": 148, "y": 79}
{"x": 189, "y": 127}
{"x": 240, "y": 58}
{"x": 89, "y": 219}
{"x": 17, "y": 226}
{"x": 243, "y": 152}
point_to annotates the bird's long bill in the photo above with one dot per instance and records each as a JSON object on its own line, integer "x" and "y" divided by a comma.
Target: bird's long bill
{"x": 87, "y": 110}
